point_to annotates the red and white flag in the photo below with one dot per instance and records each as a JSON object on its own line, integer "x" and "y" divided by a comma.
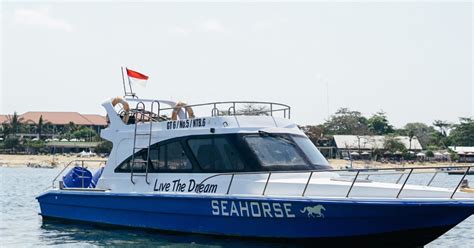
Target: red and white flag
{"x": 137, "y": 77}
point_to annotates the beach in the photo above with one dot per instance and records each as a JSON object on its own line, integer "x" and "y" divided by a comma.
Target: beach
{"x": 61, "y": 160}
{"x": 47, "y": 161}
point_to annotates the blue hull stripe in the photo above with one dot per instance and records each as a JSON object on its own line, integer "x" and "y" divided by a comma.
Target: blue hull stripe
{"x": 254, "y": 217}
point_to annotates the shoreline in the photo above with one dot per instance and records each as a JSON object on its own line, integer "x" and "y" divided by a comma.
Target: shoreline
{"x": 46, "y": 161}
{"x": 59, "y": 161}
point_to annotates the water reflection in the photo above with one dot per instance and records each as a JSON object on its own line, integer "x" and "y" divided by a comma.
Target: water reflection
{"x": 56, "y": 232}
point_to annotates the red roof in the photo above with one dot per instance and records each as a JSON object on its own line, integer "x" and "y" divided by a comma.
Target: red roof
{"x": 4, "y": 118}
{"x": 98, "y": 120}
{"x": 63, "y": 118}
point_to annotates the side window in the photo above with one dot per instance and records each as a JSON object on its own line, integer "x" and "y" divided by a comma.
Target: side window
{"x": 176, "y": 158}
{"x": 216, "y": 154}
{"x": 157, "y": 157}
{"x": 169, "y": 156}
{"x": 140, "y": 163}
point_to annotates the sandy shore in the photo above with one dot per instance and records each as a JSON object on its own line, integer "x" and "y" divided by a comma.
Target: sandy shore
{"x": 63, "y": 160}
{"x": 46, "y": 161}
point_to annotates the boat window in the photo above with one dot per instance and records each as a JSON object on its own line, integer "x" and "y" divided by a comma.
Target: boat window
{"x": 216, "y": 154}
{"x": 158, "y": 157}
{"x": 166, "y": 157}
{"x": 275, "y": 150}
{"x": 140, "y": 158}
{"x": 169, "y": 156}
{"x": 310, "y": 150}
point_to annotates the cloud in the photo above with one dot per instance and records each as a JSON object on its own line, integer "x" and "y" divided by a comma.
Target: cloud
{"x": 41, "y": 18}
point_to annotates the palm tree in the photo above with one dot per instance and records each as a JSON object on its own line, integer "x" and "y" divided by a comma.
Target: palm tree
{"x": 5, "y": 129}
{"x": 14, "y": 123}
{"x": 40, "y": 126}
{"x": 411, "y": 134}
{"x": 443, "y": 126}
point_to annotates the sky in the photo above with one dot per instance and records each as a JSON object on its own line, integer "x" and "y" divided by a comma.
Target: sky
{"x": 413, "y": 60}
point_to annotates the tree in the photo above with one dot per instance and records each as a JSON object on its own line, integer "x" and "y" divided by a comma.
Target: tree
{"x": 441, "y": 139}
{"x": 71, "y": 127}
{"x": 410, "y": 135}
{"x": 84, "y": 133}
{"x": 40, "y": 126}
{"x": 48, "y": 128}
{"x": 12, "y": 143}
{"x": 463, "y": 133}
{"x": 394, "y": 145}
{"x": 314, "y": 133}
{"x": 378, "y": 124}
{"x": 345, "y": 121}
{"x": 15, "y": 124}
{"x": 438, "y": 140}
{"x": 443, "y": 126}
{"x": 104, "y": 147}
{"x": 35, "y": 144}
{"x": 6, "y": 130}
{"x": 429, "y": 154}
{"x": 422, "y": 131}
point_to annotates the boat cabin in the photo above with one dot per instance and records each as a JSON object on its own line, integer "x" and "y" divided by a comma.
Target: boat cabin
{"x": 175, "y": 139}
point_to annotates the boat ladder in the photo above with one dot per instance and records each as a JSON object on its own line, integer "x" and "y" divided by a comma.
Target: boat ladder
{"x": 142, "y": 116}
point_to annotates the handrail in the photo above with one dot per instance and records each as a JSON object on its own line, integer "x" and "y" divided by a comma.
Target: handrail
{"x": 273, "y": 107}
{"x": 82, "y": 165}
{"x": 307, "y": 183}
{"x": 266, "y": 184}
{"x": 460, "y": 182}
{"x": 352, "y": 184}
{"x": 357, "y": 171}
{"x": 340, "y": 170}
{"x": 404, "y": 183}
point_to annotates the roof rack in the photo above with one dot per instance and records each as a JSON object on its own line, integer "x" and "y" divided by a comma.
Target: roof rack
{"x": 226, "y": 108}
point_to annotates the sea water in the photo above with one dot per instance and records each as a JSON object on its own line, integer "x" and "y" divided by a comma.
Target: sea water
{"x": 21, "y": 226}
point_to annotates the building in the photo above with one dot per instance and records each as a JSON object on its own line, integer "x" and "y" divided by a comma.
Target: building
{"x": 54, "y": 125}
{"x": 367, "y": 144}
{"x": 57, "y": 121}
{"x": 465, "y": 153}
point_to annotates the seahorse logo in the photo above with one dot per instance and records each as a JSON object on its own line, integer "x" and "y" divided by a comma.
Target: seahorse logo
{"x": 314, "y": 212}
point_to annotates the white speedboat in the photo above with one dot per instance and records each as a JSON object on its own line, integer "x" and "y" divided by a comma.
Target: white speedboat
{"x": 252, "y": 174}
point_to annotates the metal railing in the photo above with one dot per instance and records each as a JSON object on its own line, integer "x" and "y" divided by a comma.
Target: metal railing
{"x": 232, "y": 108}
{"x": 267, "y": 108}
{"x": 358, "y": 172}
{"x": 76, "y": 161}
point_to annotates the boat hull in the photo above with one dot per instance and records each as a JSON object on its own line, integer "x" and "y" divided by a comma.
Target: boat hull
{"x": 387, "y": 222}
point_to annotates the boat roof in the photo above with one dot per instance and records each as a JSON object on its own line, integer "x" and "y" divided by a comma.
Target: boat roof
{"x": 220, "y": 117}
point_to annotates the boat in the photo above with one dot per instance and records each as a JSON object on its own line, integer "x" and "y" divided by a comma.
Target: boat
{"x": 219, "y": 169}
{"x": 460, "y": 172}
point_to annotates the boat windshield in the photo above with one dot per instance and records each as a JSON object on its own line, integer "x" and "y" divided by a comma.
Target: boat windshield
{"x": 286, "y": 151}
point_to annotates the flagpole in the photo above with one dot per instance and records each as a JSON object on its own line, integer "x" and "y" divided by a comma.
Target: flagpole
{"x": 123, "y": 81}
{"x": 130, "y": 84}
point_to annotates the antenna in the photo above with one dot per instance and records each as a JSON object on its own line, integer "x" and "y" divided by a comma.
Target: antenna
{"x": 327, "y": 96}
